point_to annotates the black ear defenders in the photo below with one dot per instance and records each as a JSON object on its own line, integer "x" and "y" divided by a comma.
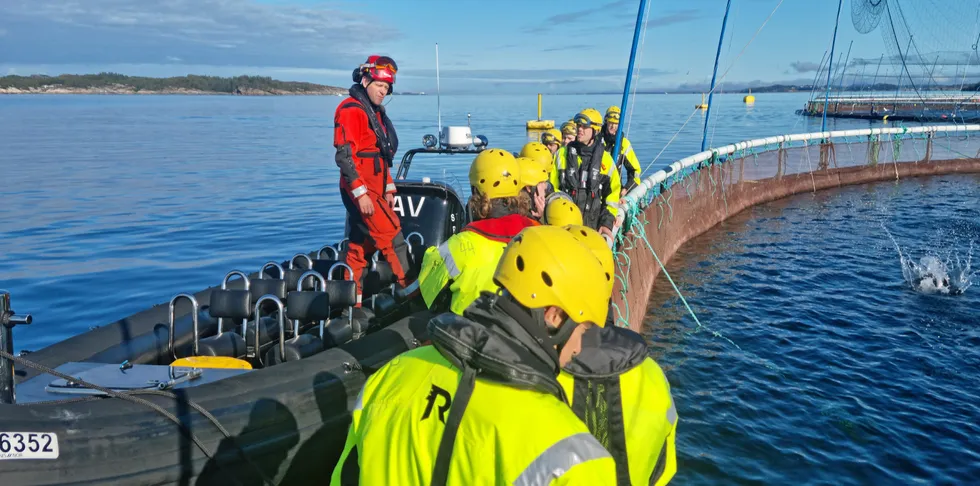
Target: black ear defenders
{"x": 357, "y": 75}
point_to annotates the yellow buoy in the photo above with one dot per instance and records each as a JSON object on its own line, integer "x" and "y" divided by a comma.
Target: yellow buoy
{"x": 703, "y": 105}
{"x": 540, "y": 124}
{"x": 212, "y": 362}
{"x": 749, "y": 99}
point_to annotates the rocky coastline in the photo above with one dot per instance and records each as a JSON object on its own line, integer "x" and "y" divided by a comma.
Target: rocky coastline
{"x": 122, "y": 89}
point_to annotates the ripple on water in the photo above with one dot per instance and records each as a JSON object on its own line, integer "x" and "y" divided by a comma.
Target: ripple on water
{"x": 846, "y": 376}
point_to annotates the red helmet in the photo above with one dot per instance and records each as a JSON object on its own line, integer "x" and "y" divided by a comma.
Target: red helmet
{"x": 379, "y": 68}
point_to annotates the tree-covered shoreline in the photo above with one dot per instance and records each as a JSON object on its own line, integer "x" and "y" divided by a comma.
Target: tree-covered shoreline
{"x": 113, "y": 83}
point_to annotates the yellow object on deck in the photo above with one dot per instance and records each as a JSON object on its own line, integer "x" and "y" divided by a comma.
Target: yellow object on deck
{"x": 212, "y": 362}
{"x": 749, "y": 99}
{"x": 540, "y": 124}
{"x": 703, "y": 105}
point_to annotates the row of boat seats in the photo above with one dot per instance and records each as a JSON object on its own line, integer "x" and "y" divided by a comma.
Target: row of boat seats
{"x": 316, "y": 299}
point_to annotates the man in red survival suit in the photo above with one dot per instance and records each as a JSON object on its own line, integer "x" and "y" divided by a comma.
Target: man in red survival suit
{"x": 366, "y": 143}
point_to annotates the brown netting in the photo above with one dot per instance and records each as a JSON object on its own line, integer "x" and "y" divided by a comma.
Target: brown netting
{"x": 693, "y": 200}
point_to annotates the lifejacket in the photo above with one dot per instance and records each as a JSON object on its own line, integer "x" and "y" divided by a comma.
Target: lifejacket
{"x": 478, "y": 406}
{"x": 468, "y": 260}
{"x": 624, "y": 398}
{"x": 589, "y": 176}
{"x": 627, "y": 158}
{"x": 365, "y": 152}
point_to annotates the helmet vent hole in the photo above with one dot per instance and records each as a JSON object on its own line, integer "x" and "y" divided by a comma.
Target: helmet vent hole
{"x": 520, "y": 263}
{"x": 515, "y": 182}
{"x": 546, "y": 278}
{"x": 583, "y": 233}
{"x": 483, "y": 181}
{"x": 496, "y": 183}
{"x": 608, "y": 277}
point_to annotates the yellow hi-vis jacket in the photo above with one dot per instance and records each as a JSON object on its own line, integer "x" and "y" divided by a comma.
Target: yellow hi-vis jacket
{"x": 593, "y": 184}
{"x": 505, "y": 434}
{"x": 468, "y": 260}
{"x": 627, "y": 158}
{"x": 624, "y": 398}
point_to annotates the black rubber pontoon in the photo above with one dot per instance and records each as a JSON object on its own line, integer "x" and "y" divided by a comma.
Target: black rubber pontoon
{"x": 289, "y": 414}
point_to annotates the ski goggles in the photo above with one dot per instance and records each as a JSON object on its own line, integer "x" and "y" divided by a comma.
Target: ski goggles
{"x": 583, "y": 121}
{"x": 549, "y": 138}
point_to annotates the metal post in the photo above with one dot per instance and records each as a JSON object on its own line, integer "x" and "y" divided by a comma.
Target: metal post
{"x": 539, "y": 106}
{"x": 7, "y": 322}
{"x": 438, "y": 96}
{"x": 843, "y": 72}
{"x": 714, "y": 74}
{"x": 629, "y": 78}
{"x": 826, "y": 100}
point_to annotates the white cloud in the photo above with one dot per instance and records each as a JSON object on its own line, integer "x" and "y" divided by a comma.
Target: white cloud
{"x": 210, "y": 32}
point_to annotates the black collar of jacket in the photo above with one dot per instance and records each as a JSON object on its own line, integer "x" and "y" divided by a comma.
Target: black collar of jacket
{"x": 583, "y": 150}
{"x": 387, "y": 137}
{"x": 489, "y": 338}
{"x": 358, "y": 92}
{"x": 608, "y": 351}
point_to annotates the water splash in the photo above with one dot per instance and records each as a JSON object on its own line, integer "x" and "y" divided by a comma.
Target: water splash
{"x": 933, "y": 275}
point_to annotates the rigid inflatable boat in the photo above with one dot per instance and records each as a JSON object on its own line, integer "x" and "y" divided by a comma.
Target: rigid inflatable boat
{"x": 250, "y": 381}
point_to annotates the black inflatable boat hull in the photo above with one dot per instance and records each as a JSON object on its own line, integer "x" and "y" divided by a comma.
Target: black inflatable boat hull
{"x": 290, "y": 419}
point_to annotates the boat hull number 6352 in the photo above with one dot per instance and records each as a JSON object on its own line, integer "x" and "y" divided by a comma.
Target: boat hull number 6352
{"x": 28, "y": 445}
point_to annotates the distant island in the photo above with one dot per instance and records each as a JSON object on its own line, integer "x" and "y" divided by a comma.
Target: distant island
{"x": 113, "y": 83}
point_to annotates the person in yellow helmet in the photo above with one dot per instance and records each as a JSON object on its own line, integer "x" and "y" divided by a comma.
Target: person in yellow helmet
{"x": 454, "y": 273}
{"x": 551, "y": 139}
{"x": 537, "y": 151}
{"x": 587, "y": 173}
{"x": 534, "y": 180}
{"x": 620, "y": 393}
{"x": 567, "y": 132}
{"x": 482, "y": 404}
{"x": 627, "y": 158}
{"x": 560, "y": 210}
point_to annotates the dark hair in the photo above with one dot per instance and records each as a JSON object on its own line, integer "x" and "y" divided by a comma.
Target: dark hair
{"x": 480, "y": 206}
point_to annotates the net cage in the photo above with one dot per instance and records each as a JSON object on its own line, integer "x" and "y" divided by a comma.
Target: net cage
{"x": 697, "y": 192}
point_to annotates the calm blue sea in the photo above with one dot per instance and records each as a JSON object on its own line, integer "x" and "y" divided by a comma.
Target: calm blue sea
{"x": 110, "y": 204}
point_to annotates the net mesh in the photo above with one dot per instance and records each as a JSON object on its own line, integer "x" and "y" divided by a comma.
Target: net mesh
{"x": 695, "y": 193}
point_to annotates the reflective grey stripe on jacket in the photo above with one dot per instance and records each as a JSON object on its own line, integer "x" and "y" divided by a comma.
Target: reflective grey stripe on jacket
{"x": 448, "y": 261}
{"x": 559, "y": 458}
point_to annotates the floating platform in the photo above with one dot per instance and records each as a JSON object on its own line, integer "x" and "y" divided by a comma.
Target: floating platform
{"x": 961, "y": 109}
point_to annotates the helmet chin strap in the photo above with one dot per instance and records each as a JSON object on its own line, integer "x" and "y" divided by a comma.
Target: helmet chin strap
{"x": 561, "y": 334}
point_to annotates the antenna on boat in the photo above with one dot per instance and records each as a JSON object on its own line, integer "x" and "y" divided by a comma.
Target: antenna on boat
{"x": 438, "y": 93}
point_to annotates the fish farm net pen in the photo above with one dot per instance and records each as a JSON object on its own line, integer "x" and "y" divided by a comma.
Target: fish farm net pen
{"x": 654, "y": 220}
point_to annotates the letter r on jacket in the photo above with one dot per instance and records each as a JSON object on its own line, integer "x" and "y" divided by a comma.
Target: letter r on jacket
{"x": 447, "y": 402}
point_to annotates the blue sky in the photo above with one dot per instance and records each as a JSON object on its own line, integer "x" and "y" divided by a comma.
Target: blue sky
{"x": 505, "y": 46}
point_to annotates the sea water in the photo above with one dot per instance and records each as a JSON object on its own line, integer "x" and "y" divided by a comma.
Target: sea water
{"x": 111, "y": 204}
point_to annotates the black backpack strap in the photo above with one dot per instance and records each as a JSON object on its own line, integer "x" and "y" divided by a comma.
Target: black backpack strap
{"x": 440, "y": 474}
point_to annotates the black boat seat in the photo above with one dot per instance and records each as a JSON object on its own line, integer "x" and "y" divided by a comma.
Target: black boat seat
{"x": 343, "y": 329}
{"x": 262, "y": 331}
{"x": 323, "y": 266}
{"x": 267, "y": 286}
{"x": 233, "y": 305}
{"x": 302, "y": 306}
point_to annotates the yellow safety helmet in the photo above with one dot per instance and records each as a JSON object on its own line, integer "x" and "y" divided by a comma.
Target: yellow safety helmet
{"x": 597, "y": 244}
{"x": 568, "y": 127}
{"x": 551, "y": 136}
{"x": 612, "y": 114}
{"x": 537, "y": 152}
{"x": 495, "y": 173}
{"x": 532, "y": 172}
{"x": 560, "y": 210}
{"x": 546, "y": 266}
{"x": 589, "y": 117}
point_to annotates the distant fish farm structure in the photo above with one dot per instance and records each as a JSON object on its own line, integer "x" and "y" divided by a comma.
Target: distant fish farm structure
{"x": 928, "y": 71}
{"x": 925, "y": 107}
